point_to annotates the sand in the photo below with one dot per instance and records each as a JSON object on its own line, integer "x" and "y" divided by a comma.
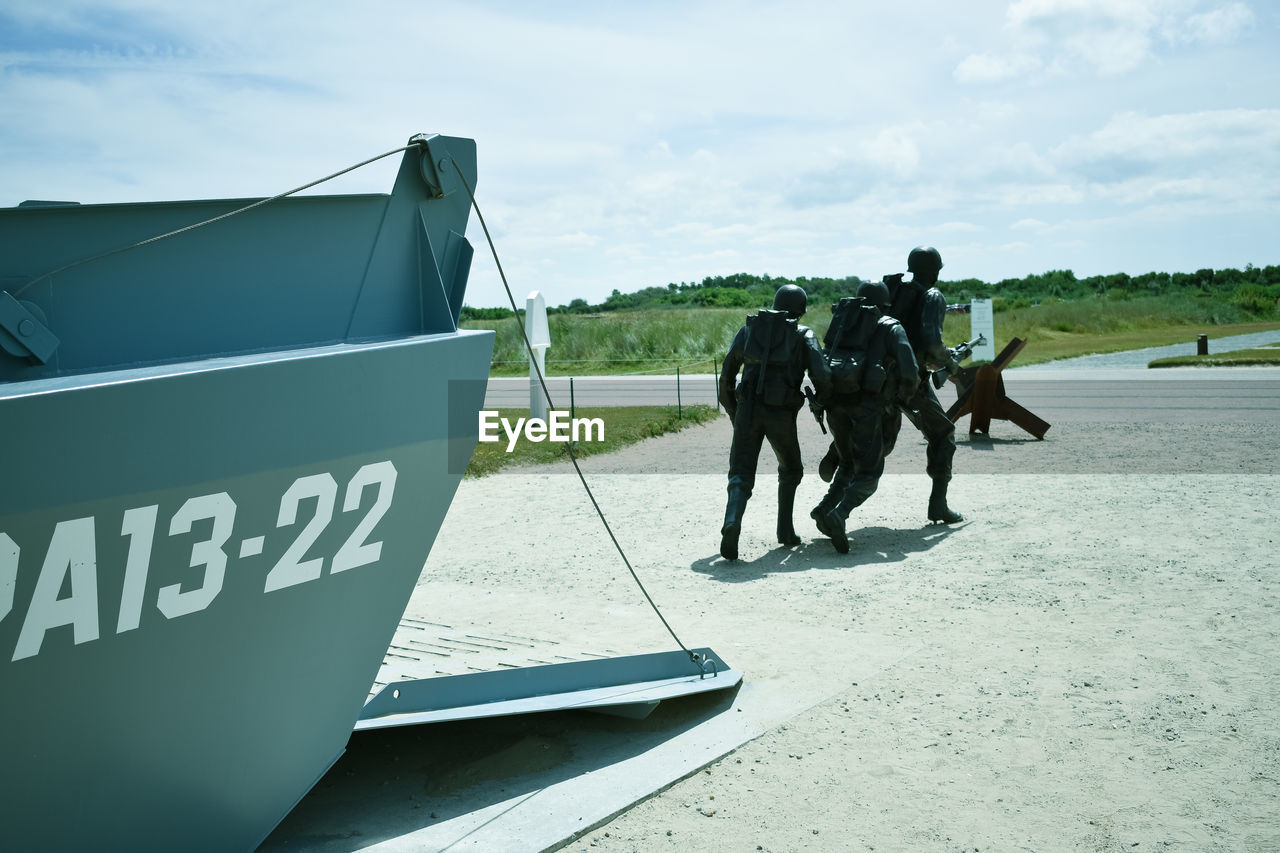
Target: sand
{"x": 1088, "y": 662}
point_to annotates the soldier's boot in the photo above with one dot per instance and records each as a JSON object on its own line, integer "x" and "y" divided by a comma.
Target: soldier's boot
{"x": 827, "y": 467}
{"x": 835, "y": 519}
{"x": 828, "y": 503}
{"x": 831, "y": 523}
{"x": 733, "y": 522}
{"x": 938, "y": 509}
{"x": 786, "y": 507}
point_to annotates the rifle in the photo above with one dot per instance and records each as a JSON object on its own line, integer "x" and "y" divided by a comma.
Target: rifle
{"x": 816, "y": 408}
{"x": 959, "y": 353}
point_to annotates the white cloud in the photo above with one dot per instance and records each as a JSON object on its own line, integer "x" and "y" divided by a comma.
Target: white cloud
{"x": 893, "y": 148}
{"x": 1244, "y": 141}
{"x": 983, "y": 68}
{"x": 1025, "y": 194}
{"x": 576, "y": 240}
{"x": 660, "y": 150}
{"x": 1112, "y": 37}
{"x": 1219, "y": 26}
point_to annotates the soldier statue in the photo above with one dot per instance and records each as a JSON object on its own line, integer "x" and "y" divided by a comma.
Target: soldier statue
{"x": 774, "y": 352}
{"x": 920, "y": 307}
{"x": 873, "y": 371}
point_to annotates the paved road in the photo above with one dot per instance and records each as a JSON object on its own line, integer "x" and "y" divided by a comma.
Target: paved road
{"x": 1043, "y": 386}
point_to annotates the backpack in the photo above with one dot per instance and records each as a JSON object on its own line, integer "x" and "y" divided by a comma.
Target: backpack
{"x": 906, "y": 304}
{"x": 849, "y": 347}
{"x": 769, "y": 351}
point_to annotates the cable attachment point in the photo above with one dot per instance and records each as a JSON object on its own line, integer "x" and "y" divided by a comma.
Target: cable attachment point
{"x": 436, "y": 163}
{"x": 704, "y": 662}
{"x": 24, "y": 331}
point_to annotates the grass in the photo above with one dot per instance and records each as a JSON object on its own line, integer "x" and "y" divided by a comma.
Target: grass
{"x": 620, "y": 341}
{"x": 614, "y": 367}
{"x": 1050, "y": 345}
{"x": 660, "y": 340}
{"x": 1268, "y": 356}
{"x": 1056, "y": 329}
{"x": 623, "y": 426}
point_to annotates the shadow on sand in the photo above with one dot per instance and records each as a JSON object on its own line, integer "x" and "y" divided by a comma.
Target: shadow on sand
{"x": 391, "y": 782}
{"x": 982, "y": 441}
{"x": 867, "y": 545}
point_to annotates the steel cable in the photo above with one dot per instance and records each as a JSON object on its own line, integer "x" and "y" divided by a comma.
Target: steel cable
{"x": 694, "y": 657}
{"x": 196, "y": 225}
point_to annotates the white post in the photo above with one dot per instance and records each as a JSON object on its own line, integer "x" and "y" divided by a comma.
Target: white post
{"x": 535, "y": 326}
{"x": 982, "y": 322}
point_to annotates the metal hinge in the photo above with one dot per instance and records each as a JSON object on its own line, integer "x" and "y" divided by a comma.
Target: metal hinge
{"x": 23, "y": 332}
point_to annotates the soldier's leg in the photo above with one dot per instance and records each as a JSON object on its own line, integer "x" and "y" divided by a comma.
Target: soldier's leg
{"x": 781, "y": 432}
{"x": 829, "y": 523}
{"x": 841, "y": 428}
{"x": 940, "y": 433}
{"x": 868, "y": 457}
{"x": 748, "y": 436}
{"x": 928, "y": 416}
{"x": 890, "y": 426}
{"x": 827, "y": 466}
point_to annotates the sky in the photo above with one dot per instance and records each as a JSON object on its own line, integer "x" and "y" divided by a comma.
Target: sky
{"x": 624, "y": 145}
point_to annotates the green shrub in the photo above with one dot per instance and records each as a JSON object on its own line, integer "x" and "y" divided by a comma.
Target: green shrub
{"x": 1254, "y": 299}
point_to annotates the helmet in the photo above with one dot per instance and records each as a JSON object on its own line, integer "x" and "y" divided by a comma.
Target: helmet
{"x": 875, "y": 292}
{"x": 924, "y": 259}
{"x": 792, "y": 299}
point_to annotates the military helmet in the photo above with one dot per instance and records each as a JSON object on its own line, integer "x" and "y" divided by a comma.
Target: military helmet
{"x": 875, "y": 292}
{"x": 924, "y": 259}
{"x": 792, "y": 299}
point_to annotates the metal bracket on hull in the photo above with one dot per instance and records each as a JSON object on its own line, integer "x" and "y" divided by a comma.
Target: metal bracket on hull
{"x": 630, "y": 686}
{"x": 437, "y": 167}
{"x": 23, "y": 332}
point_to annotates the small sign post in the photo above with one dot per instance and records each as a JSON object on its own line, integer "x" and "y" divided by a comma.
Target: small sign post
{"x": 982, "y": 322}
{"x": 535, "y": 326}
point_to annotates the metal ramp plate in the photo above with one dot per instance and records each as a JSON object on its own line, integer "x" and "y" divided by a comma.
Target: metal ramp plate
{"x": 426, "y": 649}
{"x": 630, "y": 686}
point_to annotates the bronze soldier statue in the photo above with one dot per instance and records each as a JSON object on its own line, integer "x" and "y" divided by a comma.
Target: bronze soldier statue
{"x": 873, "y": 370}
{"x": 774, "y": 352}
{"x": 920, "y": 307}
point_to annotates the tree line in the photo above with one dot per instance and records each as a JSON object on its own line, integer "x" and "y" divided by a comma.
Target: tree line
{"x": 1255, "y": 290}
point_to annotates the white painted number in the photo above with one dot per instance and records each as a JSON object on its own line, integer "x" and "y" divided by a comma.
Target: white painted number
{"x": 291, "y": 569}
{"x": 140, "y": 526}
{"x": 66, "y": 591}
{"x": 172, "y": 600}
{"x": 355, "y": 551}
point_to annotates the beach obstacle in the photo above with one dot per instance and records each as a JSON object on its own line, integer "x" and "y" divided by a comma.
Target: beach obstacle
{"x": 981, "y": 395}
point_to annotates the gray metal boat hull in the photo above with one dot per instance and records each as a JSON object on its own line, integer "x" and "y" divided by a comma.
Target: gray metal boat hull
{"x": 195, "y": 603}
{"x": 229, "y": 434}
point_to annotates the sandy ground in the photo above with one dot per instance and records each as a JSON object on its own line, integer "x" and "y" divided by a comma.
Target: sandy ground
{"x": 1087, "y": 663}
